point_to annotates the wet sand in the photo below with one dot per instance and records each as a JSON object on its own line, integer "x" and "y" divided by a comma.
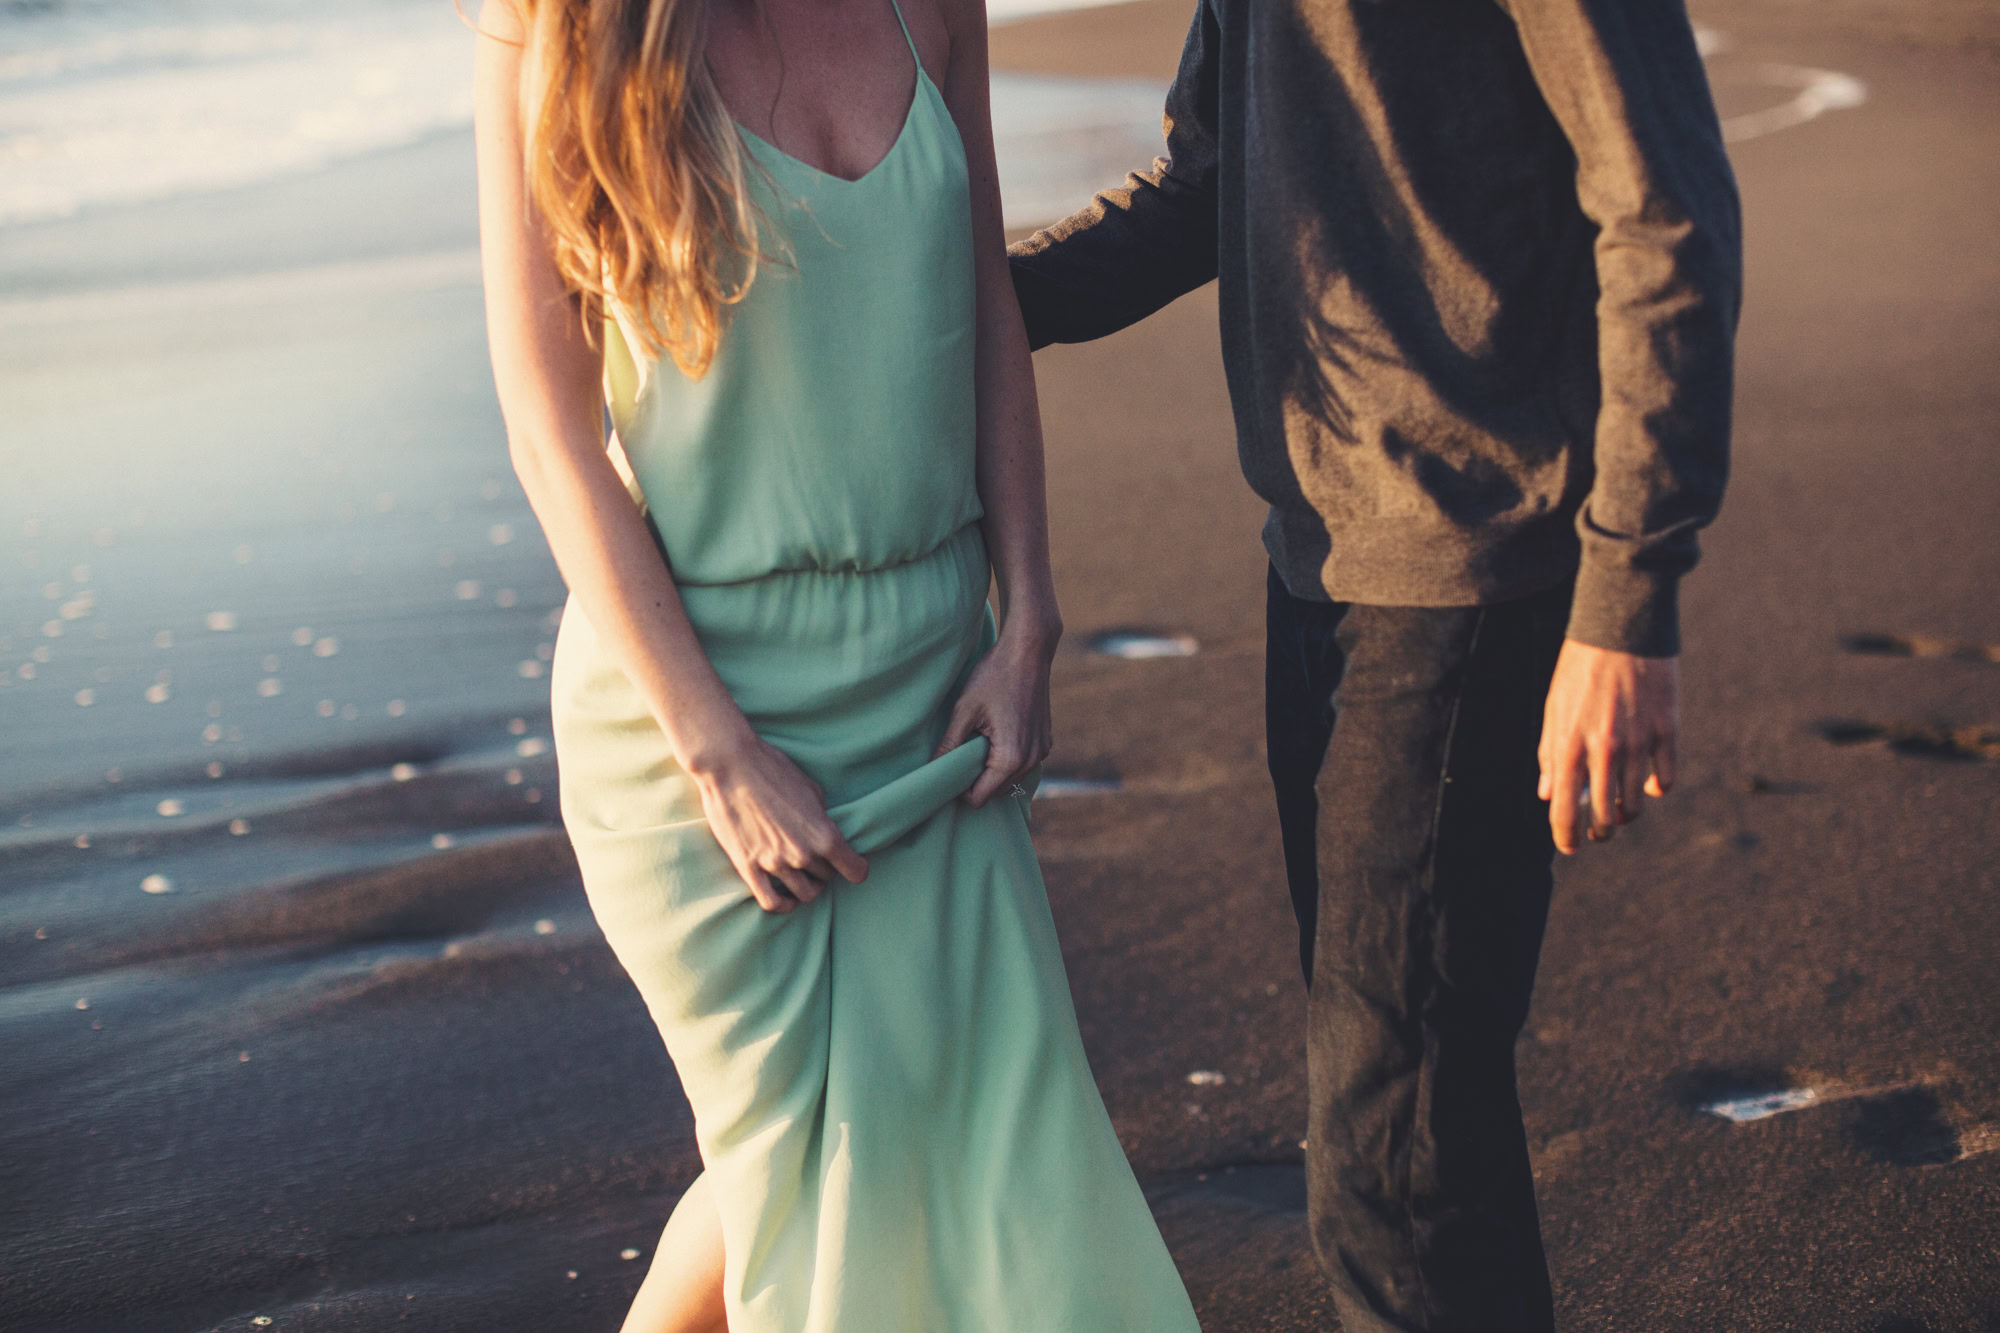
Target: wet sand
{"x": 367, "y": 1062}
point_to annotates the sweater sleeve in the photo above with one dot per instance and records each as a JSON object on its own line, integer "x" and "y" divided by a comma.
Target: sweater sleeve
{"x": 1136, "y": 247}
{"x": 1625, "y": 81}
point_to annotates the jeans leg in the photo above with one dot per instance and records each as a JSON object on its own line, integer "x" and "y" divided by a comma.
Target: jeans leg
{"x": 1301, "y": 668}
{"x": 1433, "y": 869}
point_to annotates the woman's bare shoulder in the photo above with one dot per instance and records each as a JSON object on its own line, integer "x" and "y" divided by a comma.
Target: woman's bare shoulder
{"x": 494, "y": 18}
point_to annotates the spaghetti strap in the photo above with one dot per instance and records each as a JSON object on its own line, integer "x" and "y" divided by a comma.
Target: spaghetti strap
{"x": 906, "y": 36}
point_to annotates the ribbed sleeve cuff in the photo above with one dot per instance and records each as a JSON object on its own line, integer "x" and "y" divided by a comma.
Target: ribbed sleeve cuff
{"x": 1626, "y": 610}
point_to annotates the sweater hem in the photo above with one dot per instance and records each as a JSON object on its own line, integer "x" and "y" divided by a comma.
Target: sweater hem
{"x": 1406, "y": 562}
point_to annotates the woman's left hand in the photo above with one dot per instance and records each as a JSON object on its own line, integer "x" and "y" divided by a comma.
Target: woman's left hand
{"x": 1006, "y": 700}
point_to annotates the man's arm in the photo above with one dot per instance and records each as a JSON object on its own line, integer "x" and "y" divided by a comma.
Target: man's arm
{"x": 1626, "y": 84}
{"x": 1137, "y": 247}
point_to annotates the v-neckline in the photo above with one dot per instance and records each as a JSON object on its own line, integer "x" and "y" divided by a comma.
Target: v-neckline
{"x": 909, "y": 119}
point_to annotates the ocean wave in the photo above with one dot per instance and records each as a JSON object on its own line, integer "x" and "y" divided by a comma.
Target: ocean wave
{"x": 117, "y": 103}
{"x": 112, "y": 102}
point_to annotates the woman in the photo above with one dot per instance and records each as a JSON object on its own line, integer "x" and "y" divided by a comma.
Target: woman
{"x": 771, "y": 232}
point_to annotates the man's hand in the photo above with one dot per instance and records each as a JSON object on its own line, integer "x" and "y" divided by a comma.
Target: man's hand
{"x": 1608, "y": 734}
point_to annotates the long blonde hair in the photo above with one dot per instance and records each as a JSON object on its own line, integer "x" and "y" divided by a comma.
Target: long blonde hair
{"x": 638, "y": 170}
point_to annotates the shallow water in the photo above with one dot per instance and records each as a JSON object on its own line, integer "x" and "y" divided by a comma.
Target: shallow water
{"x": 288, "y": 932}
{"x": 120, "y": 101}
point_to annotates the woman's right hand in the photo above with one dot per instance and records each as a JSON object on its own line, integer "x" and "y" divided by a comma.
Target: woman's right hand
{"x": 771, "y": 821}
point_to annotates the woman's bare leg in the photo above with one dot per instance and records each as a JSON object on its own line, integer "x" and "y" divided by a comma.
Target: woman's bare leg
{"x": 682, "y": 1292}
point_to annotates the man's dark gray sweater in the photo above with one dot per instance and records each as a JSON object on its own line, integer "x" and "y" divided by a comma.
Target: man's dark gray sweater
{"x": 1480, "y": 266}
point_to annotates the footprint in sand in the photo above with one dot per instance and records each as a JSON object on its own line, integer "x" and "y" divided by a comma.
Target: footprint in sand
{"x": 1913, "y": 1123}
{"x": 1933, "y": 739}
{"x": 1929, "y": 740}
{"x": 1872, "y": 644}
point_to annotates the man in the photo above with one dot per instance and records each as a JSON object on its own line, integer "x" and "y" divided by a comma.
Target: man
{"x": 1479, "y": 273}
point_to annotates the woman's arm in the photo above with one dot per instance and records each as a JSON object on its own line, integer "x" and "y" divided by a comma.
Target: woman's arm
{"x": 1008, "y": 697}
{"x": 768, "y": 815}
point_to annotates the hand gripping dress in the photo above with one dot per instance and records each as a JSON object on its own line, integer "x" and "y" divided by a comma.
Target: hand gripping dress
{"x": 900, "y": 1131}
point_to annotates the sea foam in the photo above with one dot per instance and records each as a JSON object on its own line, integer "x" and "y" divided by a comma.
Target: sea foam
{"x": 107, "y": 102}
{"x": 117, "y": 102}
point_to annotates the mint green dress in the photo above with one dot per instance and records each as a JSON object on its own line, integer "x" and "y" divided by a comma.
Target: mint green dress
{"x": 898, "y": 1125}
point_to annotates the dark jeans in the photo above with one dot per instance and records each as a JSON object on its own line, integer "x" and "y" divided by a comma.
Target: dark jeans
{"x": 1402, "y": 747}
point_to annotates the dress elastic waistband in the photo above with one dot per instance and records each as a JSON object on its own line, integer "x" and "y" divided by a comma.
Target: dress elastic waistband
{"x": 966, "y": 536}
